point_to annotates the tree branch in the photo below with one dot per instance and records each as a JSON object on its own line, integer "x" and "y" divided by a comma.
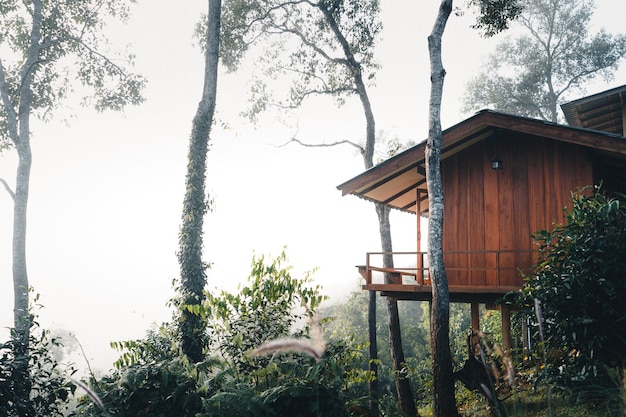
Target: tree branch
{"x": 298, "y": 100}
{"x": 119, "y": 70}
{"x": 316, "y": 48}
{"x": 263, "y": 15}
{"x": 323, "y": 145}
{"x": 8, "y": 188}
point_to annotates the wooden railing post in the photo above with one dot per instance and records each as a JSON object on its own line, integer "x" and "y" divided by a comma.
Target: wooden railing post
{"x": 419, "y": 278}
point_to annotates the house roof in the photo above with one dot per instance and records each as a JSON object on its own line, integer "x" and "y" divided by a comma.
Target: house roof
{"x": 603, "y": 111}
{"x": 394, "y": 181}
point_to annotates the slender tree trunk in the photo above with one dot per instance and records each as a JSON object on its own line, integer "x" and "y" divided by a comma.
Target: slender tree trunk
{"x": 20, "y": 273}
{"x": 403, "y": 387}
{"x": 552, "y": 96}
{"x": 192, "y": 266}
{"x": 403, "y": 384}
{"x": 21, "y": 314}
{"x": 373, "y": 352}
{"x": 19, "y": 132}
{"x": 443, "y": 379}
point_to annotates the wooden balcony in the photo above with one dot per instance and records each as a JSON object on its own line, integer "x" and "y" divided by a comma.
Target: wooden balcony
{"x": 473, "y": 276}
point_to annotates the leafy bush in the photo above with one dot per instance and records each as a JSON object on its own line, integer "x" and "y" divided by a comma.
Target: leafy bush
{"x": 159, "y": 345}
{"x": 151, "y": 389}
{"x": 154, "y": 379}
{"x": 580, "y": 285}
{"x": 300, "y": 387}
{"x": 265, "y": 309}
{"x": 48, "y": 381}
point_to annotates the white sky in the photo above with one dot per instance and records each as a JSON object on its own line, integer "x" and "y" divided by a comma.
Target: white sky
{"x": 106, "y": 189}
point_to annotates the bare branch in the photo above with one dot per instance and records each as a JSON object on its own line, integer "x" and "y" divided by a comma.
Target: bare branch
{"x": 323, "y": 145}
{"x": 8, "y": 188}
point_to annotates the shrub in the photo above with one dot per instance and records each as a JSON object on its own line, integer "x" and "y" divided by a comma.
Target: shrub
{"x": 48, "y": 380}
{"x": 580, "y": 286}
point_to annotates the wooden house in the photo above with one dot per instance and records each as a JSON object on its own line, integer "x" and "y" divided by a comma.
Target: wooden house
{"x": 504, "y": 177}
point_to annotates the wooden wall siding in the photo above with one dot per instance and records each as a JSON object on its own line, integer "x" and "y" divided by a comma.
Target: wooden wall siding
{"x": 487, "y": 210}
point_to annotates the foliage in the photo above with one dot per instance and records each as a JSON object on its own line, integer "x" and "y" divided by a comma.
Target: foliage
{"x": 553, "y": 58}
{"x": 495, "y": 16}
{"x": 526, "y": 397}
{"x": 153, "y": 379}
{"x": 317, "y": 46}
{"x": 579, "y": 286}
{"x": 70, "y": 48}
{"x": 50, "y": 385}
{"x": 192, "y": 326}
{"x": 348, "y": 321}
{"x": 301, "y": 388}
{"x": 46, "y": 47}
{"x": 287, "y": 385}
{"x": 158, "y": 345}
{"x": 265, "y": 309}
{"x": 528, "y": 402}
{"x": 169, "y": 388}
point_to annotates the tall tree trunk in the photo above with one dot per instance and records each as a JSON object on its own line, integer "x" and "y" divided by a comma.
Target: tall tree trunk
{"x": 192, "y": 267}
{"x": 20, "y": 274}
{"x": 21, "y": 316}
{"x": 552, "y": 96}
{"x": 403, "y": 387}
{"x": 19, "y": 131}
{"x": 403, "y": 384}
{"x": 443, "y": 379}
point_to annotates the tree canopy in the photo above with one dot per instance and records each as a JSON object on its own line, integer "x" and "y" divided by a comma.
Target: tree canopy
{"x": 554, "y": 56}
{"x": 50, "y": 45}
{"x": 313, "y": 48}
{"x": 495, "y": 16}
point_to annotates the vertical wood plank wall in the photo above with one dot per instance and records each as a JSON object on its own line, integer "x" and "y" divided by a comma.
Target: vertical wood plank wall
{"x": 499, "y": 210}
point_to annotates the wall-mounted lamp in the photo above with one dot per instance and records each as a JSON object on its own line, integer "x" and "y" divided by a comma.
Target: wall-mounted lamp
{"x": 496, "y": 164}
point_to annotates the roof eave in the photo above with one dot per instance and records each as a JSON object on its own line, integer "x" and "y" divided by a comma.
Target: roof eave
{"x": 478, "y": 126}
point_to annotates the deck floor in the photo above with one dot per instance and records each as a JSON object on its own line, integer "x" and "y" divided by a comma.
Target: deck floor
{"x": 458, "y": 293}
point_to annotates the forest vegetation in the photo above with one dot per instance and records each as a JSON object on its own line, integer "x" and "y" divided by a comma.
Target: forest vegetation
{"x": 153, "y": 377}
{"x": 275, "y": 347}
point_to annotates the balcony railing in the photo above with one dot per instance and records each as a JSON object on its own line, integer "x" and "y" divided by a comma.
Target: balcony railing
{"x": 497, "y": 268}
